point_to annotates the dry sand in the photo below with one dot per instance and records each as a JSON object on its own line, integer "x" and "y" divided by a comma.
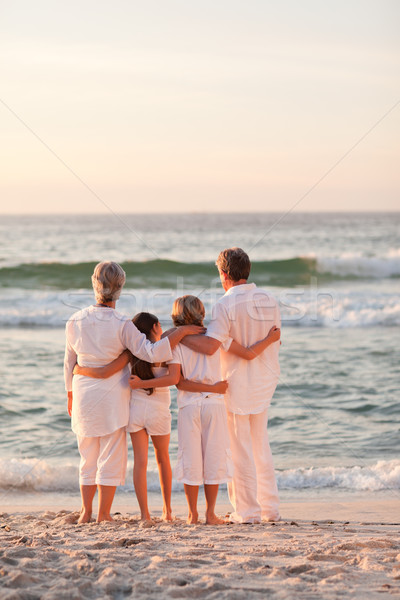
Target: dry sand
{"x": 46, "y": 555}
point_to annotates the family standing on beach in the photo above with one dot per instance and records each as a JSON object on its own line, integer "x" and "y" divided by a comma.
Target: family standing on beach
{"x": 226, "y": 376}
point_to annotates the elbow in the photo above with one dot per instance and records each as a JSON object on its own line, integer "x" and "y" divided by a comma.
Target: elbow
{"x": 216, "y": 346}
{"x": 212, "y": 347}
{"x": 179, "y": 379}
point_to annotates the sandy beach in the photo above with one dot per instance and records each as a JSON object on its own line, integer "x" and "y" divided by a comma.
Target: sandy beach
{"x": 353, "y": 553}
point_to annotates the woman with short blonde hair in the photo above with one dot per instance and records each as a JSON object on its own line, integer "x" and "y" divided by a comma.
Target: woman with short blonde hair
{"x": 108, "y": 280}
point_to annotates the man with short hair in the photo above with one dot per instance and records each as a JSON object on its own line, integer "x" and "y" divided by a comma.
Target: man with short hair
{"x": 246, "y": 314}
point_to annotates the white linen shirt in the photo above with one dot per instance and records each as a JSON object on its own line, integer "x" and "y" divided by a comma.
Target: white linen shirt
{"x": 95, "y": 336}
{"x": 246, "y": 314}
{"x": 197, "y": 367}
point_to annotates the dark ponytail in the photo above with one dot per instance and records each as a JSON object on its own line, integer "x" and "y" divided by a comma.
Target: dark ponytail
{"x": 145, "y": 322}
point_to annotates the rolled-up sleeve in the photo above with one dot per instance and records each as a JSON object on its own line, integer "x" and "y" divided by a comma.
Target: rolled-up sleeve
{"x": 227, "y": 344}
{"x": 219, "y": 327}
{"x": 70, "y": 359}
{"x": 142, "y": 348}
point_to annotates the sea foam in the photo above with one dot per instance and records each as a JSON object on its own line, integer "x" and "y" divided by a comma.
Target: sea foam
{"x": 356, "y": 265}
{"x": 27, "y": 475}
{"x": 300, "y": 307}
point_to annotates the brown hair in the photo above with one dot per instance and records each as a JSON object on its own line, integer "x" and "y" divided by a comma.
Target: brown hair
{"x": 145, "y": 322}
{"x": 188, "y": 310}
{"x": 235, "y": 263}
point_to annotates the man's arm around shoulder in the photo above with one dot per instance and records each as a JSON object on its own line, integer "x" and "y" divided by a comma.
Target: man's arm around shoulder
{"x": 202, "y": 344}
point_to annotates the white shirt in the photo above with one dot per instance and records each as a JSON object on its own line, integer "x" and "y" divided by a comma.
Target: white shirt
{"x": 197, "y": 367}
{"x": 160, "y": 394}
{"x": 95, "y": 336}
{"x": 246, "y": 314}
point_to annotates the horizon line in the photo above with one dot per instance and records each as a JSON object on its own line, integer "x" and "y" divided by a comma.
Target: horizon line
{"x": 200, "y": 213}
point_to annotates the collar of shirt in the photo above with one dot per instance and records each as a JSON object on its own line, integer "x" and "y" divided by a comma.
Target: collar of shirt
{"x": 239, "y": 289}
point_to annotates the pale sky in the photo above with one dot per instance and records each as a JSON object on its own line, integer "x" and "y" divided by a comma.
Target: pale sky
{"x": 219, "y": 105}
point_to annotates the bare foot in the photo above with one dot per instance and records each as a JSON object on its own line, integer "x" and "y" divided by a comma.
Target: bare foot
{"x": 101, "y": 518}
{"x": 85, "y": 517}
{"x": 167, "y": 515}
{"x": 214, "y": 520}
{"x": 146, "y": 523}
{"x": 193, "y": 519}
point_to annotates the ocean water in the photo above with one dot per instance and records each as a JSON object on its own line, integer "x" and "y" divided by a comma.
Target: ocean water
{"x": 334, "y": 420}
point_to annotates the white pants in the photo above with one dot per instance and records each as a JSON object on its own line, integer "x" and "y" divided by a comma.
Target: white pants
{"x": 253, "y": 491}
{"x": 203, "y": 444}
{"x": 103, "y": 459}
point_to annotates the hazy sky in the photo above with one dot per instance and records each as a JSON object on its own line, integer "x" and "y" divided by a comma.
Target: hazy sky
{"x": 199, "y": 106}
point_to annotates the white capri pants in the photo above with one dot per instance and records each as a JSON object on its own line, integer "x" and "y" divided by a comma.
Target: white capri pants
{"x": 103, "y": 459}
{"x": 204, "y": 454}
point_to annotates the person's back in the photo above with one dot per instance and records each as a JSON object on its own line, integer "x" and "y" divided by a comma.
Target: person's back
{"x": 94, "y": 333}
{"x": 101, "y": 405}
{"x": 246, "y": 314}
{"x": 251, "y": 313}
{"x": 160, "y": 395}
{"x": 203, "y": 442}
{"x": 197, "y": 367}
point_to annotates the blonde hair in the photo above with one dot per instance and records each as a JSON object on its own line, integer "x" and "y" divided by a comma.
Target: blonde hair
{"x": 108, "y": 280}
{"x": 235, "y": 263}
{"x": 188, "y": 310}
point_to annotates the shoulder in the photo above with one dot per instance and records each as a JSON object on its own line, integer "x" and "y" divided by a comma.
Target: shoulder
{"x": 79, "y": 315}
{"x": 177, "y": 354}
{"x": 123, "y": 320}
{"x": 221, "y": 306}
{"x": 125, "y": 328}
{"x": 223, "y": 301}
{"x": 121, "y": 317}
{"x": 260, "y": 293}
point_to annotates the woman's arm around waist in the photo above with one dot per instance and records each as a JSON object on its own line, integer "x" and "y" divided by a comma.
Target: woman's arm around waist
{"x": 108, "y": 370}
{"x": 171, "y": 378}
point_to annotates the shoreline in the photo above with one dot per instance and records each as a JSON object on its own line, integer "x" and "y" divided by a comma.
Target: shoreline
{"x": 382, "y": 511}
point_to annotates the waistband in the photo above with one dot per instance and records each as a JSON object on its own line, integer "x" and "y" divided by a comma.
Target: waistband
{"x": 217, "y": 399}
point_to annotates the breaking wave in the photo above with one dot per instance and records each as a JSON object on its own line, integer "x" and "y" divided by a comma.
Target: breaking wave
{"x": 164, "y": 273}
{"x": 29, "y": 475}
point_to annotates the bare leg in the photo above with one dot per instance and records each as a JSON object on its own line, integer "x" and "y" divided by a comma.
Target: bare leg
{"x": 191, "y": 493}
{"x": 106, "y": 496}
{"x": 140, "y": 444}
{"x": 87, "y": 494}
{"x": 161, "y": 443}
{"x": 211, "y": 492}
